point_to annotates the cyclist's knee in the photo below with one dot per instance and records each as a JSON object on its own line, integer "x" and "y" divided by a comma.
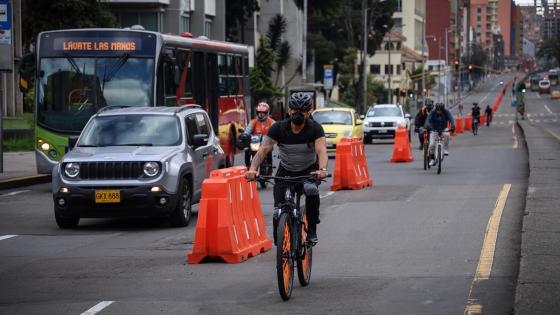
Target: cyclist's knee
{"x": 310, "y": 189}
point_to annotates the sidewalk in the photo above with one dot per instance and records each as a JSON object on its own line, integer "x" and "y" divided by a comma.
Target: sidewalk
{"x": 538, "y": 285}
{"x": 20, "y": 170}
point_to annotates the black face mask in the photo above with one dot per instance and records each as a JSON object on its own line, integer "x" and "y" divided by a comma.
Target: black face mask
{"x": 298, "y": 119}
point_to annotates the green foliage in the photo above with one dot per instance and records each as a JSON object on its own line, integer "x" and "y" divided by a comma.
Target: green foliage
{"x": 281, "y": 49}
{"x": 18, "y": 144}
{"x": 38, "y": 16}
{"x": 346, "y": 76}
{"x": 550, "y": 50}
{"x": 478, "y": 57}
{"x": 29, "y": 101}
{"x": 260, "y": 83}
{"x": 377, "y": 92}
{"x": 238, "y": 13}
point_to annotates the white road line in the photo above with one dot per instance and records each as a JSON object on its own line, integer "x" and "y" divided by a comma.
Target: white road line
{"x": 515, "y": 141}
{"x": 326, "y": 195}
{"x": 13, "y": 193}
{"x": 97, "y": 308}
{"x": 548, "y": 109}
{"x": 5, "y": 237}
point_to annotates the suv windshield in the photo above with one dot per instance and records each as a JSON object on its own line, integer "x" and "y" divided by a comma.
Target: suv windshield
{"x": 384, "y": 112}
{"x": 333, "y": 118}
{"x": 131, "y": 130}
{"x": 71, "y": 90}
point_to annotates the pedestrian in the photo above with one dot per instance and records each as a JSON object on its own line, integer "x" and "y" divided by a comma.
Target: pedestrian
{"x": 461, "y": 109}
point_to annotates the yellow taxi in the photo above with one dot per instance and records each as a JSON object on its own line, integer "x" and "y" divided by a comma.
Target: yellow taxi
{"x": 338, "y": 122}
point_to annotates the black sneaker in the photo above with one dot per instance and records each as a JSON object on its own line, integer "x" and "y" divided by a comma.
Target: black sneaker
{"x": 312, "y": 234}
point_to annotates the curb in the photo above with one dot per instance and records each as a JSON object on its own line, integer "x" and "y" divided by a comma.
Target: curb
{"x": 24, "y": 181}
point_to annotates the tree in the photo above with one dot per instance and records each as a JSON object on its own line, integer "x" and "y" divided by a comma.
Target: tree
{"x": 260, "y": 83}
{"x": 238, "y": 13}
{"x": 550, "y": 50}
{"x": 38, "y": 16}
{"x": 281, "y": 49}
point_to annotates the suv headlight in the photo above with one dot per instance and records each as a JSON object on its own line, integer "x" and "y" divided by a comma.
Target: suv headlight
{"x": 151, "y": 169}
{"x": 72, "y": 170}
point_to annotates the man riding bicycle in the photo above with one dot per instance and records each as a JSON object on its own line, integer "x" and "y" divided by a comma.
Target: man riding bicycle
{"x": 475, "y": 112}
{"x": 437, "y": 122}
{"x": 302, "y": 151}
{"x": 419, "y": 122}
{"x": 488, "y": 112}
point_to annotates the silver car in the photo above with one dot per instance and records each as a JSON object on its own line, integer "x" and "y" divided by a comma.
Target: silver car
{"x": 138, "y": 162}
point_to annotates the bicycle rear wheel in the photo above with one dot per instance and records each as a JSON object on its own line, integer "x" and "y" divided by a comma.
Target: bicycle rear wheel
{"x": 305, "y": 255}
{"x": 284, "y": 259}
{"x": 426, "y": 156}
{"x": 440, "y": 159}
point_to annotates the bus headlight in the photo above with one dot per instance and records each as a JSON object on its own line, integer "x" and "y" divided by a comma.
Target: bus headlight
{"x": 151, "y": 169}
{"x": 72, "y": 170}
{"x": 45, "y": 146}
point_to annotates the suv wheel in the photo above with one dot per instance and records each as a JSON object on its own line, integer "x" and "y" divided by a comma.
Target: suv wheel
{"x": 367, "y": 139}
{"x": 66, "y": 222}
{"x": 183, "y": 211}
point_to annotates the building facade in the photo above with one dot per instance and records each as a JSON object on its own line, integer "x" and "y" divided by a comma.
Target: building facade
{"x": 199, "y": 17}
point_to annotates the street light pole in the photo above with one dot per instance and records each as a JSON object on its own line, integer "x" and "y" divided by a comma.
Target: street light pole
{"x": 364, "y": 70}
{"x": 389, "y": 70}
{"x": 304, "y": 48}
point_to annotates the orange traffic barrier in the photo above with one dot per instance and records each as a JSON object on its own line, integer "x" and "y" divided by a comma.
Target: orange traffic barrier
{"x": 468, "y": 123}
{"x": 350, "y": 166}
{"x": 230, "y": 225}
{"x": 459, "y": 124}
{"x": 401, "y": 150}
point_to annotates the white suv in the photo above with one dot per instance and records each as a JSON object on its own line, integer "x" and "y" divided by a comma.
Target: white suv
{"x": 382, "y": 120}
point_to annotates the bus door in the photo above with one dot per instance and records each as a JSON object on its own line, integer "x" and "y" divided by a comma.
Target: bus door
{"x": 212, "y": 92}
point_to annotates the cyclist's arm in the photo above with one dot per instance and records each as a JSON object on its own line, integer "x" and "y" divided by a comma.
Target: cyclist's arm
{"x": 266, "y": 147}
{"x": 321, "y": 149}
{"x": 249, "y": 129}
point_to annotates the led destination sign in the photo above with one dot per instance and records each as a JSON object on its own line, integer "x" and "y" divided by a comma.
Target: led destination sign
{"x": 114, "y": 44}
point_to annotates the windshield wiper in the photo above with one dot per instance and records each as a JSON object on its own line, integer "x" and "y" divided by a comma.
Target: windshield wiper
{"x": 115, "y": 67}
{"x": 88, "y": 146}
{"x": 137, "y": 144}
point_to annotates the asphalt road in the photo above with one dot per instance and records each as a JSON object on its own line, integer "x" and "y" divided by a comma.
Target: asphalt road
{"x": 411, "y": 244}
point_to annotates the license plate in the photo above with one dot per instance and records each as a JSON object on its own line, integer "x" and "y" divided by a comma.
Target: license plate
{"x": 107, "y": 196}
{"x": 382, "y": 131}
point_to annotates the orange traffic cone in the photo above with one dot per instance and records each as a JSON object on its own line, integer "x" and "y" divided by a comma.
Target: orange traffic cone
{"x": 468, "y": 123}
{"x": 401, "y": 150}
{"x": 459, "y": 124}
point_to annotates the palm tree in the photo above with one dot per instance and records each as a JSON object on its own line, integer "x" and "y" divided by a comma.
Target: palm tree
{"x": 276, "y": 28}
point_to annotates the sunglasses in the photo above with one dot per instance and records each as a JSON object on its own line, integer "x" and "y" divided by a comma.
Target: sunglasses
{"x": 303, "y": 111}
{"x": 264, "y": 113}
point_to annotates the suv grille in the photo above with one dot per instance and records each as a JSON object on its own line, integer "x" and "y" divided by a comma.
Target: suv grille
{"x": 330, "y": 135}
{"x": 110, "y": 170}
{"x": 378, "y": 124}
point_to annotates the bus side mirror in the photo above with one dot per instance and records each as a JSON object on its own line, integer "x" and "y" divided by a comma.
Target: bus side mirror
{"x": 26, "y": 69}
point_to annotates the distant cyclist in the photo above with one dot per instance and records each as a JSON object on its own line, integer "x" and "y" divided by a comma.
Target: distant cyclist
{"x": 437, "y": 122}
{"x": 259, "y": 126}
{"x": 419, "y": 122}
{"x": 302, "y": 151}
{"x": 488, "y": 112}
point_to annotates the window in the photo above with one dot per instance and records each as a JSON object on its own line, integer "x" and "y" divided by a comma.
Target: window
{"x": 398, "y": 69}
{"x": 184, "y": 59}
{"x": 185, "y": 23}
{"x": 170, "y": 88}
{"x": 478, "y": 9}
{"x": 208, "y": 27}
{"x": 398, "y": 7}
{"x": 203, "y": 125}
{"x": 149, "y": 20}
{"x": 387, "y": 71}
{"x": 375, "y": 69}
{"x": 191, "y": 128}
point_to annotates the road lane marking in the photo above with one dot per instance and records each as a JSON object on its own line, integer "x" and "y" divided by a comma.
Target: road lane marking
{"x": 515, "y": 141}
{"x": 326, "y": 195}
{"x": 548, "y": 109}
{"x": 552, "y": 133}
{"x": 13, "y": 193}
{"x": 5, "y": 237}
{"x": 97, "y": 308}
{"x": 484, "y": 267}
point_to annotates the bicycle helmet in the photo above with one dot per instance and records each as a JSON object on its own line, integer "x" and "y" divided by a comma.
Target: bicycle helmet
{"x": 440, "y": 106}
{"x": 300, "y": 100}
{"x": 263, "y": 107}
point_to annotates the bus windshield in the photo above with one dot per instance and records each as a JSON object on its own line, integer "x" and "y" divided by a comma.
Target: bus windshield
{"x": 70, "y": 90}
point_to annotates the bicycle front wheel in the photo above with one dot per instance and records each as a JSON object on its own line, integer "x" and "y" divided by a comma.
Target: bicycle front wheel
{"x": 426, "y": 156}
{"x": 440, "y": 159}
{"x": 284, "y": 258}
{"x": 305, "y": 255}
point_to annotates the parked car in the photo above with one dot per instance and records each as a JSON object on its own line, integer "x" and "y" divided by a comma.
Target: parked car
{"x": 338, "y": 122}
{"x": 137, "y": 162}
{"x": 382, "y": 120}
{"x": 544, "y": 87}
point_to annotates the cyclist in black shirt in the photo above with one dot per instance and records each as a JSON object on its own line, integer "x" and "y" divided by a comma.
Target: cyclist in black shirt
{"x": 302, "y": 151}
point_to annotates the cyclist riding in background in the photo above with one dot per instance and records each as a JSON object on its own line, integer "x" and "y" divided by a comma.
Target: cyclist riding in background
{"x": 475, "y": 112}
{"x": 437, "y": 122}
{"x": 488, "y": 112}
{"x": 259, "y": 126}
{"x": 302, "y": 151}
{"x": 419, "y": 122}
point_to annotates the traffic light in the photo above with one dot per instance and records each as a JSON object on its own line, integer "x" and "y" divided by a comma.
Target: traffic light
{"x": 470, "y": 68}
{"x": 456, "y": 63}
{"x": 521, "y": 87}
{"x": 403, "y": 92}
{"x": 411, "y": 94}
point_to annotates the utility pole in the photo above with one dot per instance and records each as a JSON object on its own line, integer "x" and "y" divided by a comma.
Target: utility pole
{"x": 447, "y": 81}
{"x": 390, "y": 70}
{"x": 364, "y": 69}
{"x": 423, "y": 59}
{"x": 304, "y": 48}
